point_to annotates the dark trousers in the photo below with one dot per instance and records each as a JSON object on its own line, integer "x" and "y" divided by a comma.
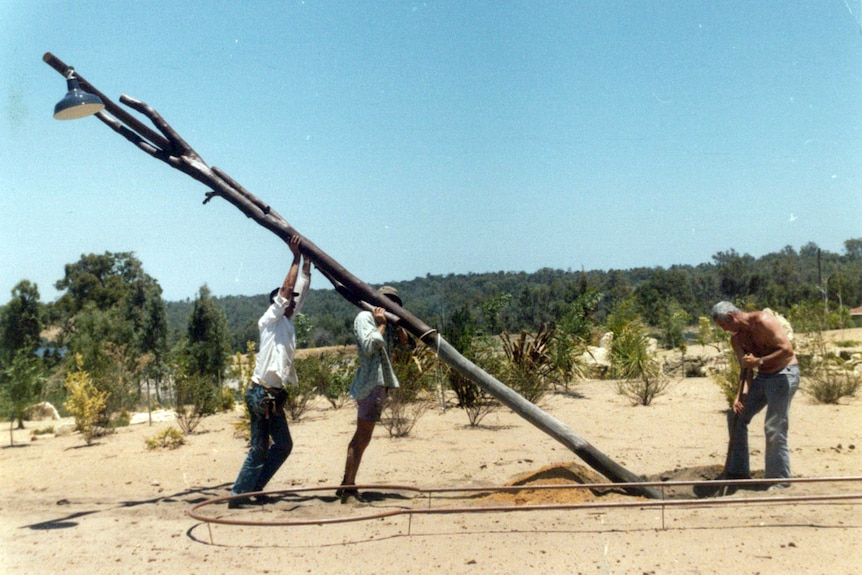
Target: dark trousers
{"x": 266, "y": 411}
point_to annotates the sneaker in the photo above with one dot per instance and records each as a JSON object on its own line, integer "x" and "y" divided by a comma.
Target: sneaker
{"x": 778, "y": 487}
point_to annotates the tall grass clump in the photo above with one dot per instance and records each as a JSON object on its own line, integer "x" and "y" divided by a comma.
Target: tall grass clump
{"x": 531, "y": 365}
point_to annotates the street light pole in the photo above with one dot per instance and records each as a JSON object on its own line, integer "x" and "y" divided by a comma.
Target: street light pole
{"x": 167, "y": 146}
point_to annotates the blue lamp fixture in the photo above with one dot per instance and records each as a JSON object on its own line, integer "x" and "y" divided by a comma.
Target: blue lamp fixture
{"x": 77, "y": 103}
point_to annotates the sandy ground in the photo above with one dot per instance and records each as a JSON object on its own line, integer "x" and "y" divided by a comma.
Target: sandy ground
{"x": 116, "y": 507}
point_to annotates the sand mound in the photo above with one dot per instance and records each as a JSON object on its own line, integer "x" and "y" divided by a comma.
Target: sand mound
{"x": 565, "y": 473}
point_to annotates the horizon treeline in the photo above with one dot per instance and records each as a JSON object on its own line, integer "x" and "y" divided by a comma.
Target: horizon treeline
{"x": 809, "y": 281}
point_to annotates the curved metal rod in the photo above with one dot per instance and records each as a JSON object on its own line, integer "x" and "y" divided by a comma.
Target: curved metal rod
{"x": 640, "y": 503}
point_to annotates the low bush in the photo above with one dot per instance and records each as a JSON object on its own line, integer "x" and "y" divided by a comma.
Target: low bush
{"x": 329, "y": 375}
{"x": 85, "y": 403}
{"x": 195, "y": 397}
{"x": 827, "y": 377}
{"x": 530, "y": 365}
{"x": 227, "y": 399}
{"x": 170, "y": 438}
{"x": 638, "y": 370}
{"x": 406, "y": 404}
{"x": 475, "y": 401}
{"x": 298, "y": 397}
{"x": 831, "y": 381}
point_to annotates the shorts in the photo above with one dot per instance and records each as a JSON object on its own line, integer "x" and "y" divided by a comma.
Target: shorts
{"x": 371, "y": 406}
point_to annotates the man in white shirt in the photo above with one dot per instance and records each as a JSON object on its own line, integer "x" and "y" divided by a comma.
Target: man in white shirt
{"x": 273, "y": 371}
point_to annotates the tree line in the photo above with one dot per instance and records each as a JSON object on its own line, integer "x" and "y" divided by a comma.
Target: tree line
{"x": 669, "y": 300}
{"x": 112, "y": 323}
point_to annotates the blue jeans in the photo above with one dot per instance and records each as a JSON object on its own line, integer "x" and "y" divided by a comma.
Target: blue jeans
{"x": 773, "y": 391}
{"x": 263, "y": 460}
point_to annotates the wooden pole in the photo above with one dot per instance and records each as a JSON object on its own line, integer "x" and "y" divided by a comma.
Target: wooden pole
{"x": 170, "y": 148}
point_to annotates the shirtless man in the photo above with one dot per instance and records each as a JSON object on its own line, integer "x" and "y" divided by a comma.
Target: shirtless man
{"x": 761, "y": 344}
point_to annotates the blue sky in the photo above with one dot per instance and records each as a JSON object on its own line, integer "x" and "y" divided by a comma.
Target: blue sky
{"x": 414, "y": 138}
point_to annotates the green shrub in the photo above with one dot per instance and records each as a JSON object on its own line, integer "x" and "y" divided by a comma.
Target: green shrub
{"x": 405, "y": 405}
{"x": 530, "y": 363}
{"x": 726, "y": 375}
{"x": 170, "y": 438}
{"x": 832, "y": 381}
{"x": 475, "y": 401}
{"x": 85, "y": 403}
{"x": 566, "y": 351}
{"x": 122, "y": 419}
{"x": 227, "y": 399}
{"x": 403, "y": 408}
{"x": 195, "y": 397}
{"x": 827, "y": 376}
{"x": 242, "y": 368}
{"x": 298, "y": 397}
{"x": 329, "y": 374}
{"x": 637, "y": 368}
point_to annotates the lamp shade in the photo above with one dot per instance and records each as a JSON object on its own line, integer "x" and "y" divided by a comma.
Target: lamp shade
{"x": 77, "y": 103}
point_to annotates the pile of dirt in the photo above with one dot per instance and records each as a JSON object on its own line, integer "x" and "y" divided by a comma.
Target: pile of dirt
{"x": 568, "y": 473}
{"x": 565, "y": 473}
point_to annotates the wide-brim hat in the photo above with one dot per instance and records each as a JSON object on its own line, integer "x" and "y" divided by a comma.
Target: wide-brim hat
{"x": 391, "y": 293}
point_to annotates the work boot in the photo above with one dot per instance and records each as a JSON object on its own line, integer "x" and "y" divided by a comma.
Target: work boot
{"x": 239, "y": 503}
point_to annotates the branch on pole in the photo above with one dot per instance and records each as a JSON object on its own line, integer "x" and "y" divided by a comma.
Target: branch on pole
{"x": 167, "y": 145}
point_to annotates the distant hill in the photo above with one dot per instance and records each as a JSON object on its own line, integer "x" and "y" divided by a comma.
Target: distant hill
{"x": 513, "y": 301}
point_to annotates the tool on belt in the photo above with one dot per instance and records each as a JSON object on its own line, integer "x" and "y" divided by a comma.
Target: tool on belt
{"x": 273, "y": 401}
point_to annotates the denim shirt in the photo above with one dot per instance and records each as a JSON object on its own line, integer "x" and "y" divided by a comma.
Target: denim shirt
{"x": 274, "y": 367}
{"x": 375, "y": 352}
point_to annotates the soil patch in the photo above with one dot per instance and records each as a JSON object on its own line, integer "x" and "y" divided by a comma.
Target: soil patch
{"x": 567, "y": 473}
{"x": 555, "y": 474}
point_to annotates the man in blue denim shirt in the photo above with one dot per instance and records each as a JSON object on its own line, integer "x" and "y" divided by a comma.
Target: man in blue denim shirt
{"x": 376, "y": 339}
{"x": 273, "y": 371}
{"x": 760, "y": 342}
